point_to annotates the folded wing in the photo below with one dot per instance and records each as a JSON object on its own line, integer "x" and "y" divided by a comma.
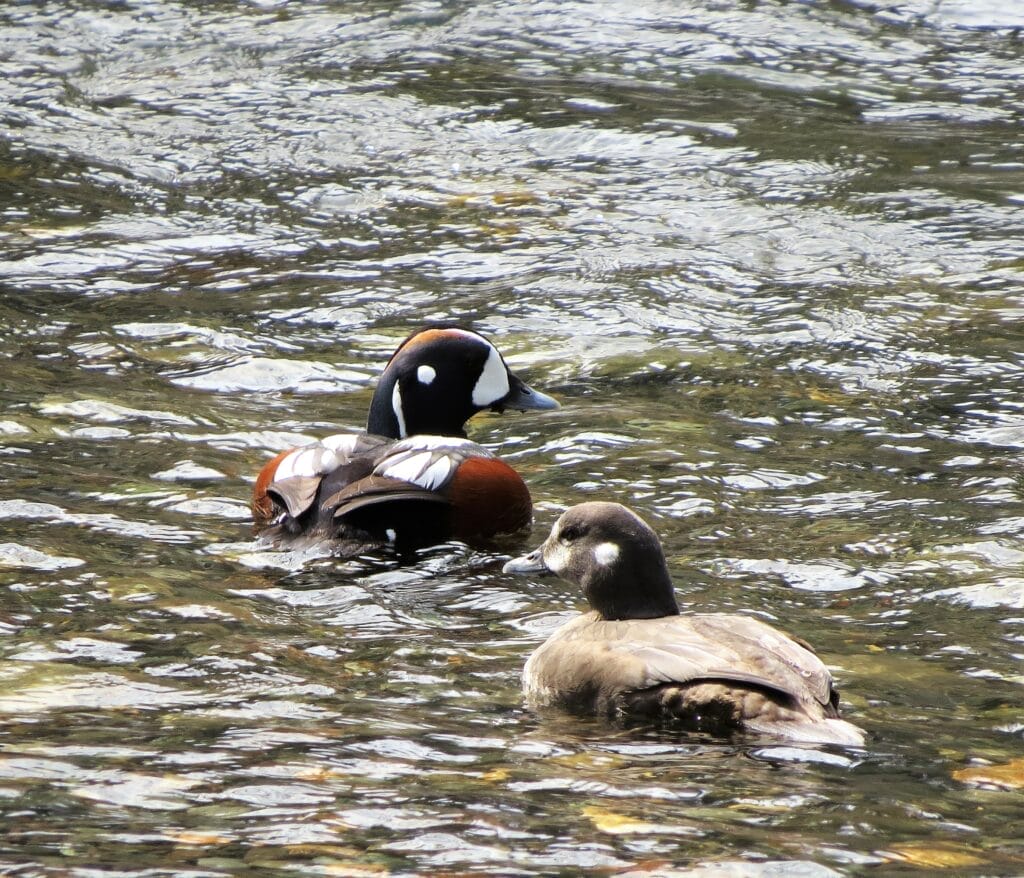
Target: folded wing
{"x": 352, "y": 486}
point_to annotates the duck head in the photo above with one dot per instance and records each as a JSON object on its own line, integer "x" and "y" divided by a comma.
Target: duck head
{"x": 439, "y": 378}
{"x": 613, "y": 555}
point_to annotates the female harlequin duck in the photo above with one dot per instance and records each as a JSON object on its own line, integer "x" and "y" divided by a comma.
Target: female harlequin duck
{"x": 635, "y": 656}
{"x": 413, "y": 478}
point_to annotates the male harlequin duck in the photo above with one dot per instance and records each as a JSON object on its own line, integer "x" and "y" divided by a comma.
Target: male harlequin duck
{"x": 413, "y": 478}
{"x": 635, "y": 656}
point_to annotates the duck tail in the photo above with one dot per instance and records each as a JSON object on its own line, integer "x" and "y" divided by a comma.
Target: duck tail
{"x": 828, "y": 731}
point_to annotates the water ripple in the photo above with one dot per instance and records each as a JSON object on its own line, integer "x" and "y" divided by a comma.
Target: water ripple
{"x": 766, "y": 255}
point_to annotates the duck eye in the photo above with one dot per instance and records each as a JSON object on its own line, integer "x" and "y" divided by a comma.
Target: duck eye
{"x": 570, "y": 533}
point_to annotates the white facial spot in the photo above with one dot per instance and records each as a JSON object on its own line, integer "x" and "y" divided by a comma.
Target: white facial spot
{"x": 425, "y": 374}
{"x": 606, "y": 554}
{"x": 396, "y": 406}
{"x": 391, "y": 534}
{"x": 556, "y": 556}
{"x": 492, "y": 384}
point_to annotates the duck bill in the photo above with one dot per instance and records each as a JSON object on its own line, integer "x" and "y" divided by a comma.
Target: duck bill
{"x": 532, "y": 563}
{"x": 524, "y": 398}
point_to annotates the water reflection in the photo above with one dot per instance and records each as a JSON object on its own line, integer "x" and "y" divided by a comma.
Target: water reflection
{"x": 767, "y": 255}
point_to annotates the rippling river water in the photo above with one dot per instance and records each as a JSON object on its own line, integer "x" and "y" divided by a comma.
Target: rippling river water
{"x": 767, "y": 254}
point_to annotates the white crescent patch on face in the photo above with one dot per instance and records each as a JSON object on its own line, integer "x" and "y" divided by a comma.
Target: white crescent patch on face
{"x": 492, "y": 384}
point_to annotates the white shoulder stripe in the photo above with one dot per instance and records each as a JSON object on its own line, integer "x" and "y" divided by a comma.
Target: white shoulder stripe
{"x": 427, "y": 442}
{"x": 313, "y": 460}
{"x": 435, "y": 475}
{"x": 342, "y": 444}
{"x": 423, "y": 468}
{"x": 396, "y": 406}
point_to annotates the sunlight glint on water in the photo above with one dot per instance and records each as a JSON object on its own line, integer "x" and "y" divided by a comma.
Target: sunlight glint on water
{"x": 766, "y": 255}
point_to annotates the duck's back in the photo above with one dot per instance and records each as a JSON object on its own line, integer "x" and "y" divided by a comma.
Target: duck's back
{"x": 711, "y": 670}
{"x": 360, "y": 489}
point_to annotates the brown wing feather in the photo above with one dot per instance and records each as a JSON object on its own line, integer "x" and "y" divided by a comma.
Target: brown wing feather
{"x": 374, "y": 490}
{"x": 641, "y": 654}
{"x": 295, "y": 494}
{"x": 391, "y": 510}
{"x": 770, "y": 653}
